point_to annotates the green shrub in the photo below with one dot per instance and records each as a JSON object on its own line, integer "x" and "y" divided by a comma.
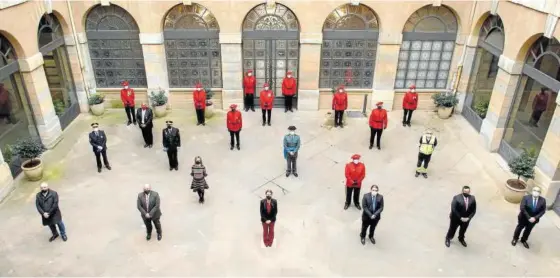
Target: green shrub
{"x": 8, "y": 153}
{"x": 28, "y": 149}
{"x": 524, "y": 165}
{"x": 445, "y": 99}
{"x": 209, "y": 95}
{"x": 481, "y": 108}
{"x": 96, "y": 99}
{"x": 59, "y": 107}
{"x": 159, "y": 98}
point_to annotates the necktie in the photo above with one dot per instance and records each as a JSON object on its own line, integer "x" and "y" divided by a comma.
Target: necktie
{"x": 373, "y": 204}
{"x": 534, "y": 203}
{"x": 147, "y": 201}
{"x": 466, "y": 203}
{"x": 97, "y": 133}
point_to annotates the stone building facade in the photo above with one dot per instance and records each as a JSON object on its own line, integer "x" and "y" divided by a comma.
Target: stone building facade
{"x": 496, "y": 55}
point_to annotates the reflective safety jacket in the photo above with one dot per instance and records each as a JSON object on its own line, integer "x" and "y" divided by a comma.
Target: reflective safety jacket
{"x": 427, "y": 144}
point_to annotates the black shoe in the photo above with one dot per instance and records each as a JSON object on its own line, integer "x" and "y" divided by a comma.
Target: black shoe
{"x": 370, "y": 147}
{"x": 64, "y": 238}
{"x": 53, "y": 237}
{"x": 238, "y": 148}
{"x": 134, "y": 123}
{"x": 268, "y": 124}
{"x": 408, "y": 124}
{"x": 514, "y": 242}
{"x": 263, "y": 124}
{"x": 148, "y": 236}
{"x": 425, "y": 175}
{"x": 525, "y": 244}
{"x": 358, "y": 206}
{"x": 416, "y": 175}
{"x": 197, "y": 124}
{"x": 246, "y": 109}
{"x": 363, "y": 240}
{"x": 253, "y": 109}
{"x": 447, "y": 242}
{"x": 295, "y": 175}
{"x": 98, "y": 170}
{"x": 200, "y": 201}
{"x": 203, "y": 201}
{"x": 341, "y": 126}
{"x": 287, "y": 174}
{"x": 203, "y": 124}
{"x": 150, "y": 146}
{"x": 291, "y": 110}
{"x": 108, "y": 167}
{"x": 285, "y": 110}
{"x": 145, "y": 146}
{"x": 403, "y": 124}
{"x": 176, "y": 168}
{"x": 170, "y": 168}
{"x": 335, "y": 125}
{"x": 378, "y": 147}
{"x": 129, "y": 123}
{"x": 159, "y": 237}
{"x": 346, "y": 206}
{"x": 231, "y": 148}
{"x": 372, "y": 240}
{"x": 462, "y": 241}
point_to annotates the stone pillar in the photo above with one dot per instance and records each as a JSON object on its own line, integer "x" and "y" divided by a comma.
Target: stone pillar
{"x": 493, "y": 126}
{"x": 40, "y": 99}
{"x": 76, "y": 71}
{"x": 155, "y": 61}
{"x": 547, "y": 172}
{"x": 87, "y": 71}
{"x": 6, "y": 179}
{"x": 232, "y": 69}
{"x": 309, "y": 67}
{"x": 468, "y": 73}
{"x": 386, "y": 69}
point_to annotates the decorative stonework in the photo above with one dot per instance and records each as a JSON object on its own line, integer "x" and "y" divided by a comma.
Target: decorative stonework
{"x": 31, "y": 63}
{"x": 550, "y": 26}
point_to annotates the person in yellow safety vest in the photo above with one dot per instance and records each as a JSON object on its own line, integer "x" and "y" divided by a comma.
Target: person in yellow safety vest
{"x": 428, "y": 142}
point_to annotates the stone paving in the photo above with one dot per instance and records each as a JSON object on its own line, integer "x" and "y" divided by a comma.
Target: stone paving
{"x": 314, "y": 235}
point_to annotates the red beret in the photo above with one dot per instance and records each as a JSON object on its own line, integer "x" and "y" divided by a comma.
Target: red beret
{"x": 198, "y": 85}
{"x": 412, "y": 86}
{"x": 124, "y": 83}
{"x": 249, "y": 70}
{"x": 356, "y": 156}
{"x": 289, "y": 72}
{"x": 233, "y": 106}
{"x": 379, "y": 103}
{"x": 265, "y": 85}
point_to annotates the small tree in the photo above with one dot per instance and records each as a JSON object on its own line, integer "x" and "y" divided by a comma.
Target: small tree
{"x": 209, "y": 95}
{"x": 96, "y": 99}
{"x": 445, "y": 99}
{"x": 524, "y": 165}
{"x": 29, "y": 149}
{"x": 159, "y": 98}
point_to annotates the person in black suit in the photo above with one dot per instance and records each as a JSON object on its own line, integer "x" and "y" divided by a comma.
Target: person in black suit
{"x": 148, "y": 205}
{"x": 171, "y": 144}
{"x": 144, "y": 117}
{"x": 372, "y": 204}
{"x": 463, "y": 209}
{"x": 268, "y": 209}
{"x": 98, "y": 141}
{"x": 46, "y": 202}
{"x": 531, "y": 209}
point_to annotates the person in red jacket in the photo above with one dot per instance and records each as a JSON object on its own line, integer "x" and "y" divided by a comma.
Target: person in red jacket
{"x": 289, "y": 86}
{"x": 199, "y": 100}
{"x": 266, "y": 98}
{"x": 234, "y": 124}
{"x": 127, "y": 98}
{"x": 377, "y": 123}
{"x": 355, "y": 173}
{"x": 249, "y": 83}
{"x": 409, "y": 104}
{"x": 339, "y": 104}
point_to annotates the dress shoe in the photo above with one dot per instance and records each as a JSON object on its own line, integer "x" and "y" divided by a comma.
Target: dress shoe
{"x": 296, "y": 175}
{"x": 416, "y": 175}
{"x": 341, "y": 126}
{"x": 447, "y": 242}
{"x": 145, "y": 146}
{"x": 363, "y": 240}
{"x": 53, "y": 237}
{"x": 408, "y": 124}
{"x": 287, "y": 174}
{"x": 98, "y": 170}
{"x": 64, "y": 238}
{"x": 286, "y": 111}
{"x": 253, "y": 109}
{"x": 514, "y": 242}
{"x": 246, "y": 109}
{"x": 159, "y": 237}
{"x": 291, "y": 110}
{"x": 108, "y": 167}
{"x": 176, "y": 168}
{"x": 378, "y": 147}
{"x": 268, "y": 124}
{"x": 197, "y": 124}
{"x": 462, "y": 241}
{"x": 238, "y": 148}
{"x": 425, "y": 175}
{"x": 129, "y": 123}
{"x": 170, "y": 168}
{"x": 346, "y": 206}
{"x": 403, "y": 124}
{"x": 358, "y": 206}
{"x": 372, "y": 240}
{"x": 231, "y": 148}
{"x": 263, "y": 124}
{"x": 150, "y": 146}
{"x": 134, "y": 123}
{"x": 370, "y": 147}
{"x": 148, "y": 236}
{"x": 525, "y": 244}
{"x": 203, "y": 124}
{"x": 335, "y": 125}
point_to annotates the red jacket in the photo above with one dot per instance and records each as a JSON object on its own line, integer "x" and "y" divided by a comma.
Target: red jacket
{"x": 249, "y": 85}
{"x": 354, "y": 172}
{"x": 340, "y": 101}
{"x": 199, "y": 99}
{"x": 234, "y": 121}
{"x": 266, "y": 99}
{"x": 378, "y": 119}
{"x": 127, "y": 97}
{"x": 289, "y": 86}
{"x": 410, "y": 101}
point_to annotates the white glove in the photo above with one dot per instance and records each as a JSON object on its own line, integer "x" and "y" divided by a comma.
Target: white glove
{"x": 99, "y": 147}
{"x": 165, "y": 149}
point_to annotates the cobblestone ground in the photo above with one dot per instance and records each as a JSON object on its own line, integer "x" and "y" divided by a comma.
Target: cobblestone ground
{"x": 314, "y": 235}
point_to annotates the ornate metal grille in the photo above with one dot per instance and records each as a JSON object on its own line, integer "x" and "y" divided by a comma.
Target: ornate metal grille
{"x": 349, "y": 47}
{"x": 114, "y": 47}
{"x": 192, "y": 47}
{"x": 7, "y": 53}
{"x": 49, "y": 30}
{"x": 427, "y": 49}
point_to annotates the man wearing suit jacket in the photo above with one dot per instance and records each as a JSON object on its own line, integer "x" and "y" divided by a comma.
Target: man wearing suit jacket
{"x": 171, "y": 144}
{"x": 98, "y": 141}
{"x": 269, "y": 209}
{"x": 144, "y": 117}
{"x": 148, "y": 205}
{"x": 531, "y": 209}
{"x": 372, "y": 204}
{"x": 463, "y": 209}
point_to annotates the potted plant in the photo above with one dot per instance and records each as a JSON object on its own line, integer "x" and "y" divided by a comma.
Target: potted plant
{"x": 209, "y": 111}
{"x": 481, "y": 108}
{"x": 97, "y": 104}
{"x": 29, "y": 151}
{"x": 523, "y": 167}
{"x": 445, "y": 101}
{"x": 159, "y": 102}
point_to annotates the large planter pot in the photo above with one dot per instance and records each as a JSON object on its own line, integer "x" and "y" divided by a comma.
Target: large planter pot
{"x": 515, "y": 190}
{"x": 160, "y": 110}
{"x": 97, "y": 109}
{"x": 444, "y": 112}
{"x": 33, "y": 172}
{"x": 209, "y": 111}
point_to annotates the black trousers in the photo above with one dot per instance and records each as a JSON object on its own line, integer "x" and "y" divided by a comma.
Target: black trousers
{"x": 455, "y": 223}
{"x": 200, "y": 116}
{"x": 98, "y": 155}
{"x": 200, "y": 193}
{"x": 147, "y": 135}
{"x": 536, "y": 116}
{"x": 264, "y": 113}
{"x": 423, "y": 158}
{"x": 375, "y": 132}
{"x": 356, "y": 195}
{"x": 371, "y": 223}
{"x": 172, "y": 156}
{"x": 526, "y": 226}
{"x": 407, "y": 114}
{"x": 292, "y": 163}
{"x": 338, "y": 117}
{"x": 288, "y": 101}
{"x": 148, "y": 223}
{"x": 249, "y": 100}
{"x": 129, "y": 110}
{"x": 231, "y": 139}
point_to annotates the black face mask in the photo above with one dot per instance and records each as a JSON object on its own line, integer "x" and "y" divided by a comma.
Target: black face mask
{"x": 146, "y": 191}
{"x": 44, "y": 190}
{"x": 198, "y": 162}
{"x": 466, "y": 195}
{"x": 269, "y": 197}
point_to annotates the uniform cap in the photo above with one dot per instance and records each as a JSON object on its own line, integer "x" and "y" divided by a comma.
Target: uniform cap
{"x": 412, "y": 86}
{"x": 198, "y": 85}
{"x": 379, "y": 103}
{"x": 94, "y": 124}
{"x": 249, "y": 70}
{"x": 289, "y": 72}
{"x": 292, "y": 128}
{"x": 168, "y": 122}
{"x": 341, "y": 86}
{"x": 356, "y": 156}
{"x": 233, "y": 106}
{"x": 124, "y": 83}
{"x": 265, "y": 85}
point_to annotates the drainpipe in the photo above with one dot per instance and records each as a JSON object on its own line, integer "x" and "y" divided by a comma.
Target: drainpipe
{"x": 463, "y": 56}
{"x": 78, "y": 48}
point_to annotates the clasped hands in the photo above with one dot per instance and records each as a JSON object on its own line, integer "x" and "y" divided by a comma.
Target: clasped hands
{"x": 464, "y": 219}
{"x": 147, "y": 215}
{"x": 46, "y": 214}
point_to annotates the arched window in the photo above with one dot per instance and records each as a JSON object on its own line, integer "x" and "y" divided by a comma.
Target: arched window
{"x": 427, "y": 49}
{"x": 114, "y": 47}
{"x": 349, "y": 46}
{"x": 192, "y": 47}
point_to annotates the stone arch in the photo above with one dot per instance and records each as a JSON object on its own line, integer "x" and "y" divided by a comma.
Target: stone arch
{"x": 260, "y": 18}
{"x": 17, "y": 48}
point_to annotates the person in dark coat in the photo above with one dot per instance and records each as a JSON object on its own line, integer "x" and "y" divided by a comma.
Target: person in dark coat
{"x": 171, "y": 144}
{"x": 531, "y": 209}
{"x": 46, "y": 202}
{"x": 198, "y": 185}
{"x": 540, "y": 103}
{"x": 269, "y": 210}
{"x": 145, "y": 117}
{"x": 148, "y": 205}
{"x": 463, "y": 209}
{"x": 5, "y": 105}
{"x": 98, "y": 141}
{"x": 373, "y": 206}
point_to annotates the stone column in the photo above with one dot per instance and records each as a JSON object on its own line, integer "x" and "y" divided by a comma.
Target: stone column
{"x": 493, "y": 126}
{"x": 547, "y": 172}
{"x": 88, "y": 73}
{"x": 40, "y": 99}
{"x": 76, "y": 71}
{"x": 232, "y": 69}
{"x": 386, "y": 69}
{"x": 468, "y": 73}
{"x": 309, "y": 67}
{"x": 155, "y": 61}
{"x": 6, "y": 179}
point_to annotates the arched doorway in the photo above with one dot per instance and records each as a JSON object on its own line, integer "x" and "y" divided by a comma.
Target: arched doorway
{"x": 484, "y": 71}
{"x": 192, "y": 47}
{"x": 427, "y": 49}
{"x": 271, "y": 46}
{"x": 349, "y": 47}
{"x": 114, "y": 47}
{"x": 16, "y": 117}
{"x": 57, "y": 70}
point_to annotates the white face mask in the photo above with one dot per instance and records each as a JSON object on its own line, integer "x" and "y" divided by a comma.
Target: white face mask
{"x": 340, "y": 91}
{"x": 292, "y": 132}
{"x": 289, "y": 76}
{"x": 96, "y": 129}
{"x": 266, "y": 88}
{"x": 413, "y": 90}
{"x": 249, "y": 74}
{"x": 126, "y": 87}
{"x": 198, "y": 89}
{"x": 374, "y": 193}
{"x": 356, "y": 161}
{"x": 536, "y": 194}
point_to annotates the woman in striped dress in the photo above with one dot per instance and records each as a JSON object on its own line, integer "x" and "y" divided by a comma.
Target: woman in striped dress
{"x": 198, "y": 173}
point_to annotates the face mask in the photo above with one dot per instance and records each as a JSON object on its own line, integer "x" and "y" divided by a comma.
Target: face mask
{"x": 249, "y": 74}
{"x": 292, "y": 132}
{"x": 378, "y": 107}
{"x": 168, "y": 126}
{"x": 466, "y": 195}
{"x": 413, "y": 90}
{"x": 266, "y": 88}
{"x": 269, "y": 197}
{"x": 289, "y": 76}
{"x": 126, "y": 87}
{"x": 356, "y": 161}
{"x": 146, "y": 191}
{"x": 536, "y": 194}
{"x": 198, "y": 162}
{"x": 374, "y": 193}
{"x": 340, "y": 91}
{"x": 198, "y": 89}
{"x": 96, "y": 129}
{"x": 44, "y": 190}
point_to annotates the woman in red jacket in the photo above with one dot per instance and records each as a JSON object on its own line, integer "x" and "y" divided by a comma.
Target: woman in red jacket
{"x": 249, "y": 90}
{"x": 289, "y": 85}
{"x": 234, "y": 123}
{"x": 339, "y": 104}
{"x": 199, "y": 100}
{"x": 127, "y": 98}
{"x": 355, "y": 173}
{"x": 266, "y": 98}
{"x": 409, "y": 103}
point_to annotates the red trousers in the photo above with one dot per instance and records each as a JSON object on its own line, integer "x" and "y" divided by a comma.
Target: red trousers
{"x": 268, "y": 233}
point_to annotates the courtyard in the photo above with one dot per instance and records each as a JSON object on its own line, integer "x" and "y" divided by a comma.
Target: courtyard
{"x": 314, "y": 235}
